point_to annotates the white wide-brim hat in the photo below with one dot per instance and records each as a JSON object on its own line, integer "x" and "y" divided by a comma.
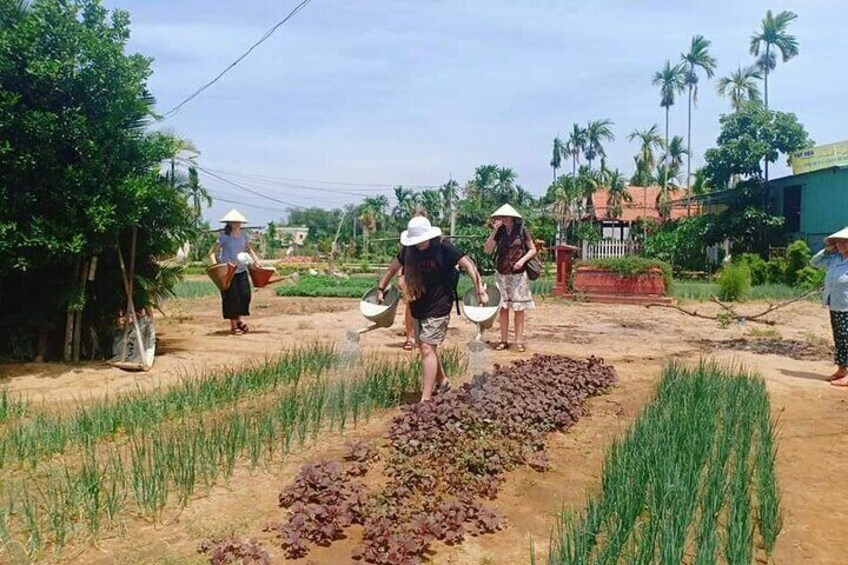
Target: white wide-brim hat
{"x": 233, "y": 216}
{"x": 841, "y": 234}
{"x": 418, "y": 230}
{"x": 506, "y": 210}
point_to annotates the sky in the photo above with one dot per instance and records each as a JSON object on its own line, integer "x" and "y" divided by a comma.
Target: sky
{"x": 351, "y": 98}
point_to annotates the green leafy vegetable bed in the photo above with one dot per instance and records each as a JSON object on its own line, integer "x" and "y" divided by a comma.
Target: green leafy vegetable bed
{"x": 631, "y": 266}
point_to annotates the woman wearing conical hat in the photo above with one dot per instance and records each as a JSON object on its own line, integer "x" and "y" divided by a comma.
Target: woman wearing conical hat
{"x": 834, "y": 258}
{"x": 514, "y": 246}
{"x": 233, "y": 246}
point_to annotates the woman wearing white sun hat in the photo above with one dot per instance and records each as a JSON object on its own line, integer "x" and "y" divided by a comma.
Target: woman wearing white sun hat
{"x": 233, "y": 246}
{"x": 514, "y": 246}
{"x": 834, "y": 258}
{"x": 430, "y": 269}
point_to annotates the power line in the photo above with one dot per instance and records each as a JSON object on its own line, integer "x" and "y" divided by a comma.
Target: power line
{"x": 245, "y": 204}
{"x": 246, "y": 189}
{"x": 261, "y": 40}
{"x": 355, "y": 184}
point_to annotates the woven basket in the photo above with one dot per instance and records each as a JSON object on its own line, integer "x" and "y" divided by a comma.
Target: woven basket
{"x": 222, "y": 275}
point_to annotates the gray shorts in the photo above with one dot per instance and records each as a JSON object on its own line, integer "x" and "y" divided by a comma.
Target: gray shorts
{"x": 431, "y": 331}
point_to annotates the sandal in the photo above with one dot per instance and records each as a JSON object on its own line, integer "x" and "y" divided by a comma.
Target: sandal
{"x": 502, "y": 346}
{"x": 408, "y": 345}
{"x": 520, "y": 347}
{"x": 243, "y": 327}
{"x": 842, "y": 382}
{"x": 441, "y": 387}
{"x": 835, "y": 377}
{"x": 237, "y": 331}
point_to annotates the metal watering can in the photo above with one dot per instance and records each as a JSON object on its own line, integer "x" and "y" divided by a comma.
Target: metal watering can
{"x": 483, "y": 315}
{"x": 381, "y": 315}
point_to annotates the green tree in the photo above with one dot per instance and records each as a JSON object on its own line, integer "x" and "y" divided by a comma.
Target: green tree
{"x": 196, "y": 194}
{"x": 79, "y": 172}
{"x": 617, "y": 193}
{"x": 745, "y": 137}
{"x": 672, "y": 80}
{"x": 407, "y": 200}
{"x": 597, "y": 133}
{"x": 556, "y": 156}
{"x": 740, "y": 86}
{"x": 697, "y": 58}
{"x": 773, "y": 35}
{"x": 650, "y": 141}
{"x": 563, "y": 197}
{"x": 575, "y": 146}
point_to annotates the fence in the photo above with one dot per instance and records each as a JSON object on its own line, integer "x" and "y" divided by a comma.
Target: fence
{"x": 607, "y": 248}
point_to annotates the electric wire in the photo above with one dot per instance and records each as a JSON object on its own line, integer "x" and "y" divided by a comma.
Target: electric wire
{"x": 244, "y": 55}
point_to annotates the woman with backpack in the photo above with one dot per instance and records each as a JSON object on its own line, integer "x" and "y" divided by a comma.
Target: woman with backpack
{"x": 515, "y": 248}
{"x": 429, "y": 266}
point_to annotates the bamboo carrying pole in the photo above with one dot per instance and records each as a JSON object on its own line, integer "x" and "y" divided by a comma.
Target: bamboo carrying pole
{"x": 128, "y": 287}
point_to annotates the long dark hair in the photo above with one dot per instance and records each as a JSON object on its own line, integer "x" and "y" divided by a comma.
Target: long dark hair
{"x": 228, "y": 228}
{"x": 413, "y": 259}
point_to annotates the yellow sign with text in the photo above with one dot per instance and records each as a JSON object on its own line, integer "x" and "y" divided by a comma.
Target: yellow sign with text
{"x": 821, "y": 157}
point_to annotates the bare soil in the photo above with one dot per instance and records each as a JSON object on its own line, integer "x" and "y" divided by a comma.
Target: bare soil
{"x": 812, "y": 462}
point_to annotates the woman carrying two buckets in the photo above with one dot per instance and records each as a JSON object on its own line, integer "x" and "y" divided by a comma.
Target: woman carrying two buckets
{"x": 233, "y": 248}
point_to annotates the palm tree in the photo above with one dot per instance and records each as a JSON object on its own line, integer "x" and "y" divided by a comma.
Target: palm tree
{"x": 484, "y": 180}
{"x": 667, "y": 190}
{"x": 672, "y": 80}
{"x": 617, "y": 194}
{"x": 504, "y": 188}
{"x": 557, "y": 155}
{"x": 450, "y": 196}
{"x": 575, "y": 146}
{"x": 196, "y": 194}
{"x": 564, "y": 195}
{"x": 673, "y": 156}
{"x": 597, "y": 132}
{"x": 431, "y": 200}
{"x": 407, "y": 199}
{"x": 588, "y": 182}
{"x": 698, "y": 57}
{"x": 773, "y": 34}
{"x": 741, "y": 86}
{"x": 649, "y": 140}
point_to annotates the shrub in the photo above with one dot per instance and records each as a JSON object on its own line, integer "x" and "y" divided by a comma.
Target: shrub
{"x": 809, "y": 278}
{"x": 758, "y": 267}
{"x": 798, "y": 256}
{"x": 734, "y": 281}
{"x": 776, "y": 271}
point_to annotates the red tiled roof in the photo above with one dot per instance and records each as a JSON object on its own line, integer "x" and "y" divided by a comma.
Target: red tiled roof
{"x": 631, "y": 211}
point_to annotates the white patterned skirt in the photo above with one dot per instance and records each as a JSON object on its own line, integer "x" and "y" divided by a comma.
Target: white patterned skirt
{"x": 515, "y": 292}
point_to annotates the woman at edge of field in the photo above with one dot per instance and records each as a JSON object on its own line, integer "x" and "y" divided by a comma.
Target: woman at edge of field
{"x": 428, "y": 262}
{"x": 235, "y": 301}
{"x": 834, "y": 258}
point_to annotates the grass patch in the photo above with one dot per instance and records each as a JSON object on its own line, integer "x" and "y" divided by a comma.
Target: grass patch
{"x": 694, "y": 476}
{"x": 705, "y": 290}
{"x": 328, "y": 286}
{"x": 195, "y": 288}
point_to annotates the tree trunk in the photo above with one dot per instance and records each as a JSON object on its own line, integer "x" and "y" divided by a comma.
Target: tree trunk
{"x": 689, "y": 154}
{"x": 765, "y": 88}
{"x": 67, "y": 354}
{"x": 574, "y": 165}
{"x": 83, "y": 277}
{"x": 665, "y": 159}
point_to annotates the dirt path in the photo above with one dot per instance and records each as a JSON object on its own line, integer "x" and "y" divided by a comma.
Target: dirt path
{"x": 812, "y": 462}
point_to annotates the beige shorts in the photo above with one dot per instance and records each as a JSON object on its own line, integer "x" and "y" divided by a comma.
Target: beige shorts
{"x": 431, "y": 331}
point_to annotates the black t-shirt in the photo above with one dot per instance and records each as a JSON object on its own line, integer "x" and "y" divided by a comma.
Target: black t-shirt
{"x": 437, "y": 299}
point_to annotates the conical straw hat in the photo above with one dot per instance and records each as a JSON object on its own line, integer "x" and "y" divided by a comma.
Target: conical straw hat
{"x": 506, "y": 210}
{"x": 233, "y": 216}
{"x": 841, "y": 234}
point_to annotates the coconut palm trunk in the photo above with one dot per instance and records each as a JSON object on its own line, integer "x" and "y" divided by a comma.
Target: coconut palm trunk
{"x": 689, "y": 156}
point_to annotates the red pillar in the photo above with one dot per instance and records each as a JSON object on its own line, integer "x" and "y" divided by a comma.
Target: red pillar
{"x": 565, "y": 255}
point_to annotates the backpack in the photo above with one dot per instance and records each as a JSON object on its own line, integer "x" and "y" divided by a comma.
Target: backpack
{"x": 452, "y": 273}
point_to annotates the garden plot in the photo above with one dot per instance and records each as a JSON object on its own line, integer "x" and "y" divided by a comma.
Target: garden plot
{"x": 693, "y": 481}
{"x": 71, "y": 475}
